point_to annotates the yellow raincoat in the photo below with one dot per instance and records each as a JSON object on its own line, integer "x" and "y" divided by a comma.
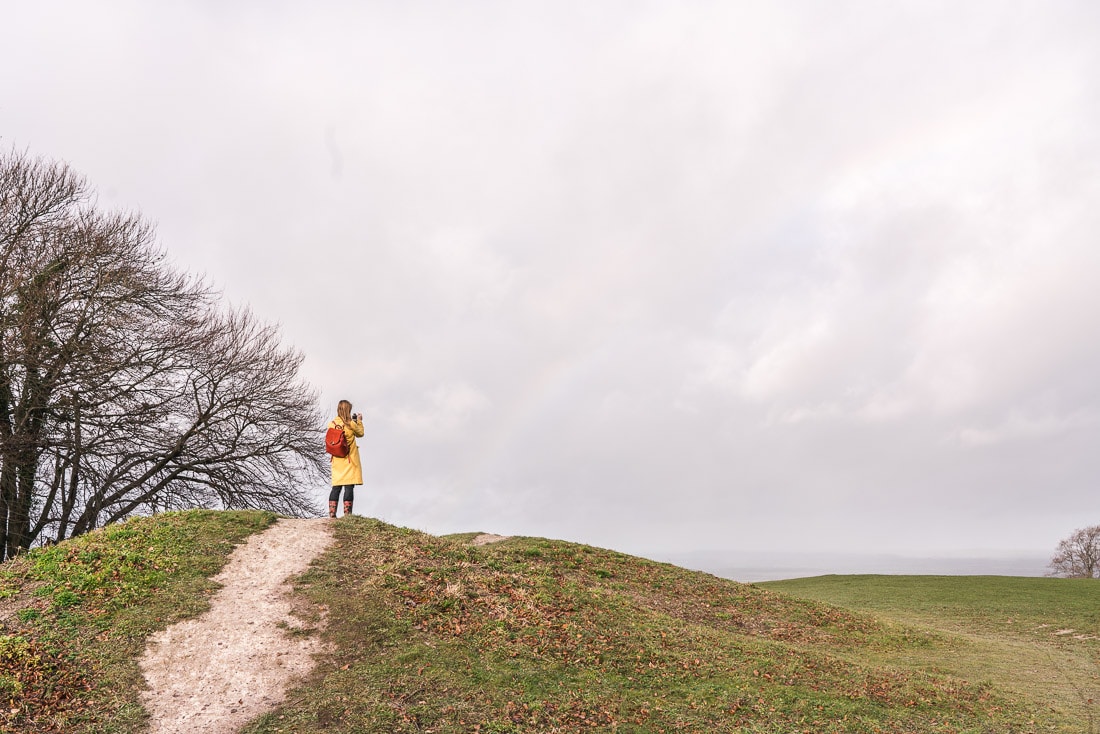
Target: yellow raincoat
{"x": 347, "y": 470}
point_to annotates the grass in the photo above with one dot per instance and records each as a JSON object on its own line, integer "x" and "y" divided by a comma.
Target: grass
{"x": 1036, "y": 637}
{"x": 429, "y": 634}
{"x": 528, "y": 635}
{"x": 75, "y": 617}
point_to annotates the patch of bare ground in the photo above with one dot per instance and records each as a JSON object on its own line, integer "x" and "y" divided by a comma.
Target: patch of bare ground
{"x": 215, "y": 673}
{"x": 487, "y": 538}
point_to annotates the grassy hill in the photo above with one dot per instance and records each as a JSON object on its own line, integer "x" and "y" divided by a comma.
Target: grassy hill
{"x": 432, "y": 634}
{"x": 74, "y": 618}
{"x": 1036, "y": 637}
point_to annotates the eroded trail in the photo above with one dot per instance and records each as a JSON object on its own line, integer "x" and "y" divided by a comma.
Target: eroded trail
{"x": 215, "y": 673}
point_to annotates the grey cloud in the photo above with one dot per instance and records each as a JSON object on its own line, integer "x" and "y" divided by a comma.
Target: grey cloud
{"x": 682, "y": 276}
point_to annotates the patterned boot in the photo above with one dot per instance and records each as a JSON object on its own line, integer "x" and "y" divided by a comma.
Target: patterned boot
{"x": 332, "y": 508}
{"x": 347, "y": 507}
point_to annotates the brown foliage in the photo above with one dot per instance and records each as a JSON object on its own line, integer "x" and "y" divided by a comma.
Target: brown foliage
{"x": 35, "y": 685}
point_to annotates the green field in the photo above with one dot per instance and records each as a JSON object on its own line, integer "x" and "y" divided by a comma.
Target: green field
{"x": 430, "y": 634}
{"x": 1037, "y": 637}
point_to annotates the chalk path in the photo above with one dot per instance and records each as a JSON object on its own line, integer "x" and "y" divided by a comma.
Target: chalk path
{"x": 215, "y": 673}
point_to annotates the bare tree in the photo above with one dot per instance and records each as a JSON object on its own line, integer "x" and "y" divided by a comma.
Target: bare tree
{"x": 1078, "y": 556}
{"x": 124, "y": 387}
{"x": 228, "y": 425}
{"x": 35, "y": 197}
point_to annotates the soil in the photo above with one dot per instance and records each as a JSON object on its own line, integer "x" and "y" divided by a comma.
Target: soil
{"x": 215, "y": 673}
{"x": 487, "y": 538}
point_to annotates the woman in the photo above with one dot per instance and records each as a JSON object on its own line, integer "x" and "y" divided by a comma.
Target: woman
{"x": 346, "y": 471}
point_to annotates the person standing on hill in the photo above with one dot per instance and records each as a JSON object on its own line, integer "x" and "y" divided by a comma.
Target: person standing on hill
{"x": 347, "y": 471}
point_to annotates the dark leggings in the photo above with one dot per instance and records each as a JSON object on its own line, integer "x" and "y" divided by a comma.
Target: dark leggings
{"x": 349, "y": 493}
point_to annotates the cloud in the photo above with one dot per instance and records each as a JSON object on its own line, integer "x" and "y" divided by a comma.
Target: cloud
{"x": 1021, "y": 427}
{"x": 681, "y": 274}
{"x": 442, "y": 411}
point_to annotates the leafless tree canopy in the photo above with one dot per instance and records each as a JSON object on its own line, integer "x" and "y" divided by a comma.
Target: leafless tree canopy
{"x": 124, "y": 386}
{"x": 1078, "y": 556}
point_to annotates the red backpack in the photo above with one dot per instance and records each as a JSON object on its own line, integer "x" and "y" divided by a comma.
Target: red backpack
{"x": 336, "y": 443}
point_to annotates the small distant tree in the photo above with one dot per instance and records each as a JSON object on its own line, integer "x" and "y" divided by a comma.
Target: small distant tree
{"x": 1078, "y": 556}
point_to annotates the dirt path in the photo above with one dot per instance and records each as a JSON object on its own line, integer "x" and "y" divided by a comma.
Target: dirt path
{"x": 215, "y": 673}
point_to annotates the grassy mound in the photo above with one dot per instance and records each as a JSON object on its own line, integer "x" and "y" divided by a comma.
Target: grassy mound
{"x": 435, "y": 635}
{"x": 74, "y": 618}
{"x": 431, "y": 634}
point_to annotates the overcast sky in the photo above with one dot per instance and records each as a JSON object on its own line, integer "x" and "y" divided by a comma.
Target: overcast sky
{"x": 656, "y": 276}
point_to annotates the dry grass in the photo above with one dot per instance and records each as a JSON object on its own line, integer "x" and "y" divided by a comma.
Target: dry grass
{"x": 1037, "y": 638}
{"x": 529, "y": 635}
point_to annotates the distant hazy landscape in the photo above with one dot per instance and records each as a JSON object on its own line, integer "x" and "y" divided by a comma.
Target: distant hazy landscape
{"x": 750, "y": 567}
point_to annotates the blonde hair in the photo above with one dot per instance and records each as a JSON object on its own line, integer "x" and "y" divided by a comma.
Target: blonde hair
{"x": 343, "y": 409}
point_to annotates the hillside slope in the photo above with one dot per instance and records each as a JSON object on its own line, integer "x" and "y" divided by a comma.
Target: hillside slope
{"x": 429, "y": 634}
{"x": 1039, "y": 637}
{"x": 75, "y": 618}
{"x": 437, "y": 635}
